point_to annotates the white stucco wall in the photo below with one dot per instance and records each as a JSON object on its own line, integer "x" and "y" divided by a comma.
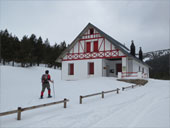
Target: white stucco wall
{"x": 130, "y": 65}
{"x": 81, "y": 69}
{"x": 136, "y": 66}
{"x": 108, "y": 45}
{"x": 124, "y": 64}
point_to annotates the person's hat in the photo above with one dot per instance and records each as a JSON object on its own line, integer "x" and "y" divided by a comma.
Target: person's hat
{"x": 46, "y": 71}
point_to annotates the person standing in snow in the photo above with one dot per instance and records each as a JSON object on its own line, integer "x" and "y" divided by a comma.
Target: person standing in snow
{"x": 46, "y": 78}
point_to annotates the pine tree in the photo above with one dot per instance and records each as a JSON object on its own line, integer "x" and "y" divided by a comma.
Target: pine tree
{"x": 17, "y": 47}
{"x": 32, "y": 50}
{"x": 15, "y": 50}
{"x": 63, "y": 46}
{"x": 6, "y": 46}
{"x": 39, "y": 52}
{"x": 29, "y": 50}
{"x": 47, "y": 52}
{"x": 25, "y": 51}
{"x": 132, "y": 49}
{"x": 140, "y": 54}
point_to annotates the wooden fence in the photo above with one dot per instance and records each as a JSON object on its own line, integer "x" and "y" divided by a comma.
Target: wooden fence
{"x": 19, "y": 110}
{"x": 123, "y": 88}
{"x": 100, "y": 93}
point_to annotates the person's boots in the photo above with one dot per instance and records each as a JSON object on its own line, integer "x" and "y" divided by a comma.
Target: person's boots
{"x": 49, "y": 96}
{"x": 41, "y": 97}
{"x": 49, "y": 92}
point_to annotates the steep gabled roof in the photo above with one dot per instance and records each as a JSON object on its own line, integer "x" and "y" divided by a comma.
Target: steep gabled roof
{"x": 117, "y": 44}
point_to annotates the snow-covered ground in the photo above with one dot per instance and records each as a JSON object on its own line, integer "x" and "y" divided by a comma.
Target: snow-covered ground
{"x": 146, "y": 107}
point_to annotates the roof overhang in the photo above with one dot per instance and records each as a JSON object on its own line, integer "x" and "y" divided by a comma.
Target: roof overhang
{"x": 117, "y": 44}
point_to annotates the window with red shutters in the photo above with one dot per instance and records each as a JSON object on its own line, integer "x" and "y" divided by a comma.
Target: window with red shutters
{"x": 95, "y": 46}
{"x": 71, "y": 69}
{"x": 88, "y": 46}
{"x": 91, "y": 68}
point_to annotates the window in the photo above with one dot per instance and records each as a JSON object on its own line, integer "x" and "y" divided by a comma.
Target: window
{"x": 95, "y": 46}
{"x": 88, "y": 46}
{"x": 91, "y": 68}
{"x": 91, "y": 31}
{"x": 71, "y": 69}
{"x": 142, "y": 70}
{"x": 139, "y": 68}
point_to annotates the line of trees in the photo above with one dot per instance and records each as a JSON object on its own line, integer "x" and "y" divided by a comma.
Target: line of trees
{"x": 29, "y": 51}
{"x": 160, "y": 67}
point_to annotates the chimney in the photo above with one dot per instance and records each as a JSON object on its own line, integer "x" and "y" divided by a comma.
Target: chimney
{"x": 140, "y": 54}
{"x": 132, "y": 48}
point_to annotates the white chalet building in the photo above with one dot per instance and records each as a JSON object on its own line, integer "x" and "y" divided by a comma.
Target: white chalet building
{"x": 94, "y": 54}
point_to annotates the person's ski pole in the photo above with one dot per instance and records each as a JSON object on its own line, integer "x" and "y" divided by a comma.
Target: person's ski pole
{"x": 53, "y": 90}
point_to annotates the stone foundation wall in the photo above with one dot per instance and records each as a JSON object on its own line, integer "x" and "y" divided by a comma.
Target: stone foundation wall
{"x": 134, "y": 81}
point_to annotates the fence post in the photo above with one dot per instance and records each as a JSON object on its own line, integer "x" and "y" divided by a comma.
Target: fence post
{"x": 102, "y": 94}
{"x": 132, "y": 86}
{"x": 65, "y": 103}
{"x": 81, "y": 99}
{"x": 19, "y": 113}
{"x": 117, "y": 90}
{"x": 123, "y": 88}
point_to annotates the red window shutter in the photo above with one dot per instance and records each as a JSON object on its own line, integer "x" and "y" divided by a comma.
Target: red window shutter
{"x": 91, "y": 68}
{"x": 95, "y": 46}
{"x": 88, "y": 46}
{"x": 71, "y": 69}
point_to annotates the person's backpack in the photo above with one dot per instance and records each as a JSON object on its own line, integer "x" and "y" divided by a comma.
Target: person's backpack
{"x": 45, "y": 78}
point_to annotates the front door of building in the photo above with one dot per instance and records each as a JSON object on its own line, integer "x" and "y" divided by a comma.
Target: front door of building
{"x": 118, "y": 68}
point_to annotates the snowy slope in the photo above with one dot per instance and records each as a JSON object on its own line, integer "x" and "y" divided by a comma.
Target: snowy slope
{"x": 146, "y": 106}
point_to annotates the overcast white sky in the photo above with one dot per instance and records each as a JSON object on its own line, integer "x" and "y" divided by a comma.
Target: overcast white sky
{"x": 144, "y": 21}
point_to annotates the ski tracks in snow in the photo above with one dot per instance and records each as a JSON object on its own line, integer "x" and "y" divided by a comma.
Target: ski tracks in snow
{"x": 126, "y": 113}
{"x": 141, "y": 114}
{"x": 91, "y": 117}
{"x": 128, "y": 109}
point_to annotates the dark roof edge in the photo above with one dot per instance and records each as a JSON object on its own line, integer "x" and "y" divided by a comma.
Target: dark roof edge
{"x": 109, "y": 38}
{"x": 72, "y": 44}
{"x": 113, "y": 41}
{"x": 100, "y": 31}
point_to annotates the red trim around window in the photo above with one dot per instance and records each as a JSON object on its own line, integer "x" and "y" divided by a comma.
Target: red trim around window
{"x": 71, "y": 69}
{"x": 91, "y": 68}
